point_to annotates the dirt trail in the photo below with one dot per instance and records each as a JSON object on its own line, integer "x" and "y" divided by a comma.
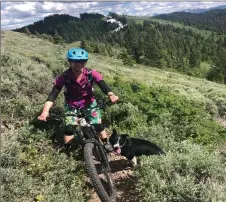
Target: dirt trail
{"x": 124, "y": 181}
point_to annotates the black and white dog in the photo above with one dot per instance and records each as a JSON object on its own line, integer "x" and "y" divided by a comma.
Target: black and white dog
{"x": 133, "y": 147}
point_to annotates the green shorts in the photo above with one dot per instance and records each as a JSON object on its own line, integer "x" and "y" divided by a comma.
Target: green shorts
{"x": 94, "y": 116}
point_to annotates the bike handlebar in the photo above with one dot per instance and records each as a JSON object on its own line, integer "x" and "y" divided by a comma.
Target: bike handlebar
{"x": 82, "y": 112}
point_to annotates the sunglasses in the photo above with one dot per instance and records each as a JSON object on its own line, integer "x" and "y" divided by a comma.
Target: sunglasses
{"x": 77, "y": 61}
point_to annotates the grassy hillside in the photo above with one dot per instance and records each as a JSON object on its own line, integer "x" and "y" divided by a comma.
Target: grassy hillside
{"x": 53, "y": 56}
{"x": 177, "y": 112}
{"x": 152, "y": 43}
{"x": 204, "y": 33}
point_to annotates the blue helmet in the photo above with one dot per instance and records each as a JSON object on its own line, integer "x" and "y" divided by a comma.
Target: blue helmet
{"x": 77, "y": 54}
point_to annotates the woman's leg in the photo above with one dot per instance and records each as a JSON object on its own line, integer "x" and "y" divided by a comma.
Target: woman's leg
{"x": 103, "y": 134}
{"x": 70, "y": 123}
{"x": 95, "y": 118}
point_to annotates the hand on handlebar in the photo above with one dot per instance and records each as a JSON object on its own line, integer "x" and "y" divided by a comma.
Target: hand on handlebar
{"x": 113, "y": 98}
{"x": 43, "y": 116}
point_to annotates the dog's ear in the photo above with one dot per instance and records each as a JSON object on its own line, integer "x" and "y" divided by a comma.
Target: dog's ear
{"x": 114, "y": 132}
{"x": 125, "y": 136}
{"x": 128, "y": 141}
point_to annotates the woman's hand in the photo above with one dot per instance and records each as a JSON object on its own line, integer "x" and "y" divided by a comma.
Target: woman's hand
{"x": 114, "y": 98}
{"x": 43, "y": 116}
{"x": 45, "y": 111}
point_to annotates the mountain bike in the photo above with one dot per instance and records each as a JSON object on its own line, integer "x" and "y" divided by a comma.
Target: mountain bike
{"x": 95, "y": 157}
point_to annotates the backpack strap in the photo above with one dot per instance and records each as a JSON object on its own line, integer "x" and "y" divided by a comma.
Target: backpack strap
{"x": 69, "y": 80}
{"x": 90, "y": 76}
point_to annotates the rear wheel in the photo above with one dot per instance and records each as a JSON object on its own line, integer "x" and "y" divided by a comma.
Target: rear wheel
{"x": 98, "y": 168}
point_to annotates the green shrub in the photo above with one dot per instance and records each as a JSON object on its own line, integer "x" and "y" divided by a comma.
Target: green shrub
{"x": 33, "y": 168}
{"x": 126, "y": 116}
{"x": 127, "y": 59}
{"x": 17, "y": 185}
{"x": 25, "y": 77}
{"x": 10, "y": 150}
{"x": 187, "y": 173}
{"x": 181, "y": 118}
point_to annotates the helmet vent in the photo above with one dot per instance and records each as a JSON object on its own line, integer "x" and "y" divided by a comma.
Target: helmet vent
{"x": 77, "y": 54}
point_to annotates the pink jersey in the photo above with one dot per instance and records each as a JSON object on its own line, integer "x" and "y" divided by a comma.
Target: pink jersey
{"x": 78, "y": 94}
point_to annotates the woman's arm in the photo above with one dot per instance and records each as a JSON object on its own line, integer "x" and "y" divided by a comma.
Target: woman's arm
{"x": 54, "y": 93}
{"x": 98, "y": 78}
{"x": 49, "y": 102}
{"x": 104, "y": 87}
{"x": 107, "y": 91}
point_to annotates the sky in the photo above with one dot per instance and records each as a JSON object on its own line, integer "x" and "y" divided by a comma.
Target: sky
{"x": 19, "y": 14}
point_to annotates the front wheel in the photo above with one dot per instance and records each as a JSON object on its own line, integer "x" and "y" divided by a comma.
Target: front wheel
{"x": 98, "y": 168}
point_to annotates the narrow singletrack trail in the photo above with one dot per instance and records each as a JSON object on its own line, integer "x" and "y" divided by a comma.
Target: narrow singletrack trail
{"x": 124, "y": 180}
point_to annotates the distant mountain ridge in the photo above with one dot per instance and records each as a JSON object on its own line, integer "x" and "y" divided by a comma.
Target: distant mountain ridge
{"x": 202, "y": 10}
{"x": 212, "y": 20}
{"x": 89, "y": 26}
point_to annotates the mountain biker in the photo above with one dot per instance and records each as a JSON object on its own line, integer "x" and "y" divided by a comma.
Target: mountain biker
{"x": 78, "y": 81}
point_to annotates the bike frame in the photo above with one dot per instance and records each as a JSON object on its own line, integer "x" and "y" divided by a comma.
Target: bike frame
{"x": 92, "y": 146}
{"x": 93, "y": 138}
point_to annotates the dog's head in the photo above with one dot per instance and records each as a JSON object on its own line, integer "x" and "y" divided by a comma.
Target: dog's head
{"x": 119, "y": 141}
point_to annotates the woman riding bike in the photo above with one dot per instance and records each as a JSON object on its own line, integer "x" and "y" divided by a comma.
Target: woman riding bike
{"x": 78, "y": 81}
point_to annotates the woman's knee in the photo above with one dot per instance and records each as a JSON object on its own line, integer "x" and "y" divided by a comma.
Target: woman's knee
{"x": 69, "y": 134}
{"x": 68, "y": 139}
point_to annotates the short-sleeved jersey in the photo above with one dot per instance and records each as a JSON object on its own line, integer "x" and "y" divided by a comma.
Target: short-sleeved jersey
{"x": 78, "y": 94}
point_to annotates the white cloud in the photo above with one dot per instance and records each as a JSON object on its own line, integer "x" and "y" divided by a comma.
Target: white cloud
{"x": 138, "y": 8}
{"x": 20, "y": 7}
{"x": 46, "y": 7}
{"x": 29, "y": 12}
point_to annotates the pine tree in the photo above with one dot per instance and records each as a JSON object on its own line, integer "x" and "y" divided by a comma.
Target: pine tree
{"x": 36, "y": 33}
{"x": 96, "y": 49}
{"x": 216, "y": 74}
{"x": 26, "y": 31}
{"x": 83, "y": 44}
{"x": 57, "y": 38}
{"x": 194, "y": 59}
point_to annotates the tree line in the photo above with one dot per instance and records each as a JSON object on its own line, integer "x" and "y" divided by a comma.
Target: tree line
{"x": 159, "y": 45}
{"x": 149, "y": 43}
{"x": 90, "y": 26}
{"x": 213, "y": 20}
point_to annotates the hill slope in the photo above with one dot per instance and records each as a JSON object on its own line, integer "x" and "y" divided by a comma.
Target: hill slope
{"x": 203, "y": 91}
{"x": 173, "y": 110}
{"x": 92, "y": 26}
{"x": 213, "y": 20}
{"x": 149, "y": 43}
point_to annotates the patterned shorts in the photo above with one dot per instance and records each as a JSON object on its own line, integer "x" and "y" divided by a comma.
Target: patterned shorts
{"x": 94, "y": 114}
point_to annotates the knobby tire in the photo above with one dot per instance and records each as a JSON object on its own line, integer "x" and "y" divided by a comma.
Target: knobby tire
{"x": 91, "y": 150}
